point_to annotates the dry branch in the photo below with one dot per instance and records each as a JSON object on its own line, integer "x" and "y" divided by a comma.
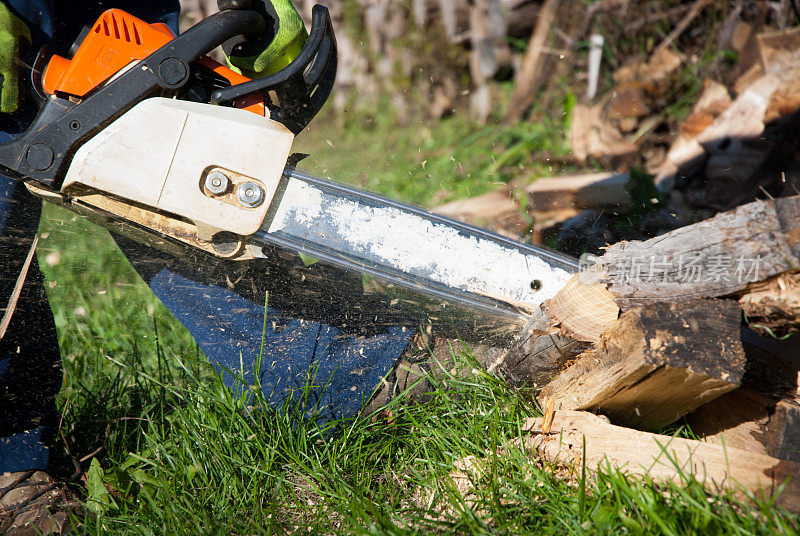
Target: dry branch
{"x": 528, "y": 79}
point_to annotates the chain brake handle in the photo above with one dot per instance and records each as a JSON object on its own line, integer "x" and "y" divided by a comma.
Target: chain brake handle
{"x": 303, "y": 86}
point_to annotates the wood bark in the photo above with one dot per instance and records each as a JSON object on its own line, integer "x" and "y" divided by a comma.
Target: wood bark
{"x": 716, "y": 257}
{"x": 656, "y": 364}
{"x": 661, "y": 458}
{"x": 686, "y": 155}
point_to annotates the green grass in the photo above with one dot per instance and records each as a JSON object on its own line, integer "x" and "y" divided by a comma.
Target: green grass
{"x": 427, "y": 162}
{"x": 166, "y": 449}
{"x": 224, "y": 464}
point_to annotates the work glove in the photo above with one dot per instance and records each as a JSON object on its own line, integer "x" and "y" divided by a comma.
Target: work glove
{"x": 12, "y": 31}
{"x": 277, "y": 48}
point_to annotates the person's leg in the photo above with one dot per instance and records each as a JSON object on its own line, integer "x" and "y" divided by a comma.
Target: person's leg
{"x": 30, "y": 363}
{"x": 321, "y": 327}
{"x": 30, "y": 374}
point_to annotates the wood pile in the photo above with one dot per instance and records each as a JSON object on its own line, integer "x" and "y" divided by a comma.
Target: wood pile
{"x": 694, "y": 322}
{"x": 736, "y": 143}
{"x": 697, "y": 326}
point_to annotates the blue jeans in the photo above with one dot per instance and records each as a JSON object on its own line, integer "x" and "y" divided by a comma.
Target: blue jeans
{"x": 348, "y": 358}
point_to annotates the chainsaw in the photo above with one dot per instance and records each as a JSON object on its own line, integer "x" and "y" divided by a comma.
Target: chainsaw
{"x": 142, "y": 132}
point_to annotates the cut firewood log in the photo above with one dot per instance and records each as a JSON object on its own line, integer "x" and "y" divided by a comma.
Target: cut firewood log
{"x": 763, "y": 415}
{"x": 656, "y": 364}
{"x": 560, "y": 329}
{"x": 496, "y": 210}
{"x": 661, "y": 458}
{"x": 686, "y": 155}
{"x": 712, "y": 258}
{"x": 778, "y": 54}
{"x": 748, "y": 420}
{"x": 734, "y": 132}
{"x": 596, "y": 190}
{"x": 718, "y": 257}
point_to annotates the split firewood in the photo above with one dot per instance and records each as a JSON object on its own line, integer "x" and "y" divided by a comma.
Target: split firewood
{"x": 734, "y": 134}
{"x": 718, "y": 257}
{"x": 779, "y": 56}
{"x": 596, "y": 190}
{"x": 656, "y": 364}
{"x": 563, "y": 327}
{"x": 763, "y": 415}
{"x": 662, "y": 458}
{"x": 746, "y": 419}
{"x": 686, "y": 155}
{"x": 733, "y": 149}
{"x": 497, "y": 210}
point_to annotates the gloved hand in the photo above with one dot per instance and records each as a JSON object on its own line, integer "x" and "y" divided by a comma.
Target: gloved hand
{"x": 278, "y": 48}
{"x": 12, "y": 30}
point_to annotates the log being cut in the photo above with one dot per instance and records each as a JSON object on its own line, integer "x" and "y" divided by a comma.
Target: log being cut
{"x": 725, "y": 256}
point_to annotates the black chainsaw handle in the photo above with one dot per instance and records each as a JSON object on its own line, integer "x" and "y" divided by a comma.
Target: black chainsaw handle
{"x": 302, "y": 86}
{"x": 44, "y": 150}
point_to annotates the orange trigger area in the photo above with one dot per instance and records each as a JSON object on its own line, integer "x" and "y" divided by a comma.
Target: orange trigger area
{"x": 113, "y": 43}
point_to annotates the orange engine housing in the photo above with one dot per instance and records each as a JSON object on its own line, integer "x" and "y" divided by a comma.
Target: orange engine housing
{"x": 116, "y": 40}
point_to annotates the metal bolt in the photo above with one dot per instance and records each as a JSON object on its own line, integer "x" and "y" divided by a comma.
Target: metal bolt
{"x": 250, "y": 194}
{"x": 217, "y": 182}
